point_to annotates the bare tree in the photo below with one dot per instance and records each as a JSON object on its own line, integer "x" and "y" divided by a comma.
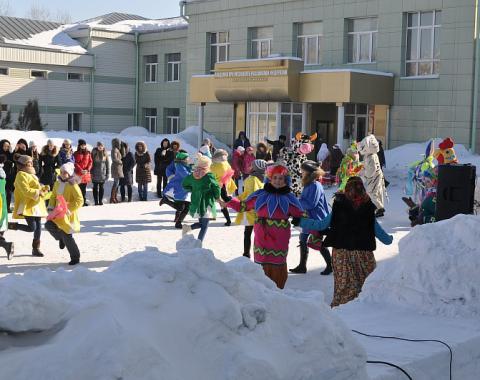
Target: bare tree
{"x": 5, "y": 9}
{"x": 63, "y": 17}
{"x": 38, "y": 12}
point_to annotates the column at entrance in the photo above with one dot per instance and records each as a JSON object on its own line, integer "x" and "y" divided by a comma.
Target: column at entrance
{"x": 340, "y": 125}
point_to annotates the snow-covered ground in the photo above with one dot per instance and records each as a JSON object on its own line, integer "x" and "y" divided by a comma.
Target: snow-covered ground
{"x": 174, "y": 312}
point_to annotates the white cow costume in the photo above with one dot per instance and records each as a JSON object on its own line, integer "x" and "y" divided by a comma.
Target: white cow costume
{"x": 371, "y": 173}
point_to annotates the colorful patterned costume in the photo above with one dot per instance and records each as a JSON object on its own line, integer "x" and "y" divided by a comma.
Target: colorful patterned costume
{"x": 349, "y": 167}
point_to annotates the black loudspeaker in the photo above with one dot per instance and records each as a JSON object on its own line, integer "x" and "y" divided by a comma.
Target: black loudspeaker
{"x": 455, "y": 190}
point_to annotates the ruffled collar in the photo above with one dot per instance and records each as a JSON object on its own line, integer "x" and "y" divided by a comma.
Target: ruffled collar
{"x": 274, "y": 198}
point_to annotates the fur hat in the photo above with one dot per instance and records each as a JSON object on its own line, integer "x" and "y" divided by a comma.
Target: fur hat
{"x": 68, "y": 168}
{"x": 220, "y": 155}
{"x": 23, "y": 159}
{"x": 240, "y": 149}
{"x": 81, "y": 142}
{"x": 68, "y": 141}
{"x": 310, "y": 166}
{"x": 260, "y": 165}
{"x": 32, "y": 143}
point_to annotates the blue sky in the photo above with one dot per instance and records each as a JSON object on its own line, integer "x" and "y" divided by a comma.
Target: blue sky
{"x": 83, "y": 9}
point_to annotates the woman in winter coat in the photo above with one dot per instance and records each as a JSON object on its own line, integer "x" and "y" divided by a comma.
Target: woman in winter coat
{"x": 351, "y": 229}
{"x": 223, "y": 173}
{"x": 211, "y": 147}
{"x": 32, "y": 151}
{"x": 205, "y": 193}
{"x": 117, "y": 169}
{"x": 29, "y": 202}
{"x": 83, "y": 165}
{"x": 8, "y": 246}
{"x": 127, "y": 180}
{"x": 143, "y": 172}
{"x": 237, "y": 165}
{"x": 9, "y": 170}
{"x": 174, "y": 194}
{"x": 336, "y": 157}
{"x": 49, "y": 163}
{"x": 248, "y": 159}
{"x": 164, "y": 156}
{"x": 262, "y": 152}
{"x": 66, "y": 152}
{"x": 315, "y": 204}
{"x": 62, "y": 227}
{"x": 274, "y": 205}
{"x": 242, "y": 141}
{"x": 253, "y": 183}
{"x": 100, "y": 172}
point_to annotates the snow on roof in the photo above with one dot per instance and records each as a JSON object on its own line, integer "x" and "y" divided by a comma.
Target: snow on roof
{"x": 130, "y": 26}
{"x": 51, "y": 39}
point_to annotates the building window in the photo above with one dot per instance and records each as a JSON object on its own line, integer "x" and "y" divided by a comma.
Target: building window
{"x": 262, "y": 122}
{"x": 151, "y": 66}
{"x": 172, "y": 120}
{"x": 38, "y": 74}
{"x": 150, "y": 117}
{"x": 173, "y": 67}
{"x": 4, "y": 107}
{"x": 78, "y": 77}
{"x": 219, "y": 48}
{"x": 3, "y": 71}
{"x": 356, "y": 122}
{"x": 261, "y": 42}
{"x": 74, "y": 121}
{"x": 423, "y": 44}
{"x": 291, "y": 119}
{"x": 309, "y": 42}
{"x": 362, "y": 40}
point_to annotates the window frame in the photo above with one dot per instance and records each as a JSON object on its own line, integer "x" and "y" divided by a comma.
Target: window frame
{"x": 151, "y": 68}
{"x": 172, "y": 115}
{"x": 72, "y": 114}
{"x": 148, "y": 119}
{"x": 172, "y": 65}
{"x": 256, "y": 53}
{"x": 305, "y": 38}
{"x": 432, "y": 61}
{"x": 80, "y": 79}
{"x": 44, "y": 76}
{"x": 217, "y": 46}
{"x": 356, "y": 43}
{"x": 7, "y": 71}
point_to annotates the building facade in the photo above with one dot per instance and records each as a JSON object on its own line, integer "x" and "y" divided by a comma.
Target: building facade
{"x": 404, "y": 70}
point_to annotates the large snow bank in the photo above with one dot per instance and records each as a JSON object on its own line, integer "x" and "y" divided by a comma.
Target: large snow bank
{"x": 436, "y": 271}
{"x": 158, "y": 316}
{"x": 130, "y": 26}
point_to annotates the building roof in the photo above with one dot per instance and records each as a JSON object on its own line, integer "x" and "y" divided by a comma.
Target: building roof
{"x": 14, "y": 28}
{"x": 112, "y": 18}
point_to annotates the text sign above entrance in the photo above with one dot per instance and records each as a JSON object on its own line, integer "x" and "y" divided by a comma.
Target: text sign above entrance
{"x": 251, "y": 74}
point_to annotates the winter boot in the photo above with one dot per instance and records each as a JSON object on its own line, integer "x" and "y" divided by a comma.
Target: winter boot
{"x": 9, "y": 248}
{"x": 328, "y": 259}
{"x": 36, "y": 249}
{"x": 13, "y": 226}
{"x": 302, "y": 267}
{"x": 113, "y": 195}
{"x": 227, "y": 216}
{"x": 61, "y": 244}
{"x": 129, "y": 193}
{"x": 181, "y": 216}
{"x": 95, "y": 195}
{"x": 100, "y": 196}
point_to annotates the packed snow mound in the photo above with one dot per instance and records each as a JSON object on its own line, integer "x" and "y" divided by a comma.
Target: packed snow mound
{"x": 436, "y": 271}
{"x": 190, "y": 135}
{"x": 170, "y": 316}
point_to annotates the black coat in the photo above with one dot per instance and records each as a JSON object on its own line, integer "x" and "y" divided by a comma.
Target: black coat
{"x": 128, "y": 165}
{"x": 49, "y": 162}
{"x": 350, "y": 228}
{"x": 239, "y": 142}
{"x": 163, "y": 157}
{"x": 8, "y": 167}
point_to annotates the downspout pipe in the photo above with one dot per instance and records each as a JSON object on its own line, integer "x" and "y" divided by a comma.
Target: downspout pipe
{"x": 92, "y": 83}
{"x": 476, "y": 72}
{"x": 137, "y": 64}
{"x": 182, "y": 10}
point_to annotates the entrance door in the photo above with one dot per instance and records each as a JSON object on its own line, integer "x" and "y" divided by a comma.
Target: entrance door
{"x": 325, "y": 130}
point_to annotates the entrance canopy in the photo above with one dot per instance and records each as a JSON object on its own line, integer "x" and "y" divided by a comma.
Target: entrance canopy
{"x": 284, "y": 80}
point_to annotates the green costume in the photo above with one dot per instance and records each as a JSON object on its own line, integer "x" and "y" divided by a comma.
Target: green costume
{"x": 3, "y": 208}
{"x": 205, "y": 192}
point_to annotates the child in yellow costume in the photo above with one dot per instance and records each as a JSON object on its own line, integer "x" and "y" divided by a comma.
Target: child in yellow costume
{"x": 29, "y": 201}
{"x": 253, "y": 183}
{"x": 62, "y": 227}
{"x": 223, "y": 173}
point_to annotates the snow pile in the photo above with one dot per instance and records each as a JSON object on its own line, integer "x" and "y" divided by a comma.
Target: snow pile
{"x": 161, "y": 316}
{"x": 130, "y": 26}
{"x": 436, "y": 271}
{"x": 52, "y": 39}
{"x": 190, "y": 135}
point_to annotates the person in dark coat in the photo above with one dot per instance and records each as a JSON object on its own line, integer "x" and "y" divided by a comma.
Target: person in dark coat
{"x": 143, "y": 174}
{"x": 83, "y": 165}
{"x": 262, "y": 152}
{"x": 8, "y": 167}
{"x": 128, "y": 163}
{"x": 242, "y": 141}
{"x": 163, "y": 157}
{"x": 20, "y": 150}
{"x": 116, "y": 168}
{"x": 277, "y": 146}
{"x": 336, "y": 157}
{"x": 100, "y": 172}
{"x": 49, "y": 163}
{"x": 32, "y": 151}
{"x": 381, "y": 154}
